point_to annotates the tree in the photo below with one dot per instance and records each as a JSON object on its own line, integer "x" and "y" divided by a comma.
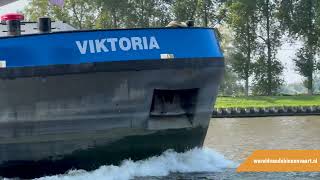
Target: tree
{"x": 302, "y": 20}
{"x": 306, "y": 66}
{"x": 261, "y": 69}
{"x": 83, "y": 13}
{"x": 242, "y": 18}
{"x": 112, "y": 13}
{"x": 231, "y": 85}
{"x": 268, "y": 69}
{"x": 185, "y": 9}
{"x": 210, "y": 12}
{"x": 148, "y": 13}
{"x": 79, "y": 13}
{"x": 41, "y": 8}
{"x": 105, "y": 13}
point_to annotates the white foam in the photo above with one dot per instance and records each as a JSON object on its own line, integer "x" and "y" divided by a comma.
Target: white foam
{"x": 196, "y": 160}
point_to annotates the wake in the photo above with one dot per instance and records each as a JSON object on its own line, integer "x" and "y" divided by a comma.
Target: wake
{"x": 196, "y": 160}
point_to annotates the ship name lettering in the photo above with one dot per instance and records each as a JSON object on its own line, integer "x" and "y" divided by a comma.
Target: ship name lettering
{"x": 116, "y": 44}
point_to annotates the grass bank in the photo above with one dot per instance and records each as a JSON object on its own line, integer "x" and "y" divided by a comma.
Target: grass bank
{"x": 266, "y": 101}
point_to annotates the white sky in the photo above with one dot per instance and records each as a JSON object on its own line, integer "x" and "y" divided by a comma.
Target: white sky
{"x": 286, "y": 53}
{"x": 14, "y": 7}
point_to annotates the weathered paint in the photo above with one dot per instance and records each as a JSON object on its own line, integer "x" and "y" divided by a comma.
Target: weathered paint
{"x": 81, "y": 115}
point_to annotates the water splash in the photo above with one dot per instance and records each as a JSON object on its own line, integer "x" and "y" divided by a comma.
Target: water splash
{"x": 196, "y": 160}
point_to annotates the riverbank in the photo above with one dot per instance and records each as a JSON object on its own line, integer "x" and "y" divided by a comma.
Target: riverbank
{"x": 263, "y": 106}
{"x": 267, "y": 101}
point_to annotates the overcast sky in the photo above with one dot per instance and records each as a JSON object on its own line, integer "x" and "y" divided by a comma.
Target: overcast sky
{"x": 286, "y": 53}
{"x": 14, "y": 7}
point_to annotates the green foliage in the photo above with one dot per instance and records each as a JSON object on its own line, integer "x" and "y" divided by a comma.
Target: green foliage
{"x": 146, "y": 13}
{"x": 257, "y": 27}
{"x": 267, "y": 101}
{"x": 211, "y": 12}
{"x": 302, "y": 20}
{"x": 256, "y": 42}
{"x": 242, "y": 18}
{"x": 231, "y": 85}
{"x": 261, "y": 81}
{"x": 268, "y": 69}
{"x": 240, "y": 64}
{"x": 305, "y": 61}
{"x": 41, "y": 8}
{"x": 207, "y": 13}
{"x": 104, "y": 13}
{"x": 111, "y": 13}
{"x": 306, "y": 65}
{"x": 79, "y": 13}
{"x": 128, "y": 13}
{"x": 185, "y": 9}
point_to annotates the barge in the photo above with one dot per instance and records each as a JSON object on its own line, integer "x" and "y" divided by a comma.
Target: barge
{"x": 74, "y": 99}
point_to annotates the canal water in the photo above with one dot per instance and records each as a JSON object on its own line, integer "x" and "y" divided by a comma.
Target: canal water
{"x": 228, "y": 143}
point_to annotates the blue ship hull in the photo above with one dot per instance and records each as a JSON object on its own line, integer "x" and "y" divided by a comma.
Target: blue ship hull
{"x": 82, "y": 108}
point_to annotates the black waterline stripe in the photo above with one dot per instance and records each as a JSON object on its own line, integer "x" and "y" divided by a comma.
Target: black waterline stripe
{"x": 118, "y": 66}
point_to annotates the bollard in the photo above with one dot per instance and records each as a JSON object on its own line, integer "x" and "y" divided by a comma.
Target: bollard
{"x": 44, "y": 25}
{"x": 13, "y": 22}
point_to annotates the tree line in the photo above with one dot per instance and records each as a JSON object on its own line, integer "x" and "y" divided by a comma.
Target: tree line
{"x": 259, "y": 26}
{"x": 251, "y": 31}
{"x": 85, "y": 14}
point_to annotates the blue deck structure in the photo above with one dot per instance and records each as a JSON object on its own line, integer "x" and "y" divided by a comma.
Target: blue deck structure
{"x": 77, "y": 47}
